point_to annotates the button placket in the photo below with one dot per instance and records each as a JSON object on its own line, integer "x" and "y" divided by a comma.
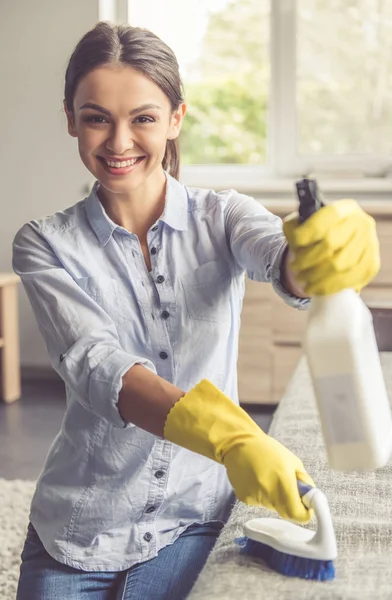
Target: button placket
{"x": 148, "y": 538}
{"x": 161, "y": 462}
{"x": 137, "y": 267}
{"x": 160, "y": 337}
{"x": 164, "y": 338}
{"x": 155, "y": 497}
{"x": 152, "y": 245}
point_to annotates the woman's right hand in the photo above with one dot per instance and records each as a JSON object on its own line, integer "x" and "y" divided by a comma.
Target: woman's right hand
{"x": 261, "y": 470}
{"x": 264, "y": 472}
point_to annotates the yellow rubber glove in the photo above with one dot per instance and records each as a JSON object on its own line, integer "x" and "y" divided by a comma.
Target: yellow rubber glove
{"x": 336, "y": 248}
{"x": 261, "y": 470}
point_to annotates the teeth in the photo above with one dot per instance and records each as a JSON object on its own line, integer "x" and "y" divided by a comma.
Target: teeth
{"x": 120, "y": 165}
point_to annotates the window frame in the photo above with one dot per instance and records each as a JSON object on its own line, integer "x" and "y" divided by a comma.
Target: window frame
{"x": 284, "y": 164}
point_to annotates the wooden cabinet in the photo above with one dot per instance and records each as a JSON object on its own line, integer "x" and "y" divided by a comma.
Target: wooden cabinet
{"x": 9, "y": 338}
{"x": 255, "y": 358}
{"x": 271, "y": 331}
{"x": 384, "y": 231}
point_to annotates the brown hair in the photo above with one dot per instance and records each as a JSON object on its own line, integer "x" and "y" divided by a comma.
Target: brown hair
{"x": 141, "y": 50}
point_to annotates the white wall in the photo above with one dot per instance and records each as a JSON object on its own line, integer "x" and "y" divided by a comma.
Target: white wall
{"x": 40, "y": 170}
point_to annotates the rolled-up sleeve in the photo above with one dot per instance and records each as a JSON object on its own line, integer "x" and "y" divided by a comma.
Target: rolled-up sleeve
{"x": 258, "y": 243}
{"x": 81, "y": 339}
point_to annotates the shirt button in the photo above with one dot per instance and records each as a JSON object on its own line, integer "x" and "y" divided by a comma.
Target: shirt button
{"x": 62, "y": 356}
{"x": 159, "y": 474}
{"x": 150, "y": 509}
{"x": 160, "y": 279}
{"x": 154, "y": 228}
{"x": 165, "y": 314}
{"x": 148, "y": 536}
{"x": 153, "y": 250}
{"x": 163, "y": 355}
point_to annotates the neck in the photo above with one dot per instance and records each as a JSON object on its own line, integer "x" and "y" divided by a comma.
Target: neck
{"x": 138, "y": 209}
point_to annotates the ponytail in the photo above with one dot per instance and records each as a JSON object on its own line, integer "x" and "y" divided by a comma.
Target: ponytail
{"x": 171, "y": 160}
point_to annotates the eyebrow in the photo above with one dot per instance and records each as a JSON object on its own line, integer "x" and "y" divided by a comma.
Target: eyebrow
{"x": 107, "y": 112}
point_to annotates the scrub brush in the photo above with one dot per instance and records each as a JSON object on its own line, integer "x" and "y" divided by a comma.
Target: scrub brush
{"x": 291, "y": 549}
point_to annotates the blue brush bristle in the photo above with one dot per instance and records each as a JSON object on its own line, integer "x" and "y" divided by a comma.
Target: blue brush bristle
{"x": 287, "y": 564}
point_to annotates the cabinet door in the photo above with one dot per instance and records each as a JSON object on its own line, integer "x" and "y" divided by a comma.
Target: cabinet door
{"x": 384, "y": 231}
{"x": 254, "y": 361}
{"x": 285, "y": 360}
{"x": 254, "y": 378}
{"x": 379, "y": 300}
{"x": 377, "y": 295}
{"x": 288, "y": 323}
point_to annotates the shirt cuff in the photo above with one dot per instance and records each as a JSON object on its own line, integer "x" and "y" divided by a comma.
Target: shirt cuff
{"x": 276, "y": 280}
{"x": 106, "y": 383}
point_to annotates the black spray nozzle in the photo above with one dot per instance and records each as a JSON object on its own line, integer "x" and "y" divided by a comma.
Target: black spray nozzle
{"x": 309, "y": 198}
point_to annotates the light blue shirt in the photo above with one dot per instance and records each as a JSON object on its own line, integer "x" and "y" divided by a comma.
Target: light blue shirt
{"x": 110, "y": 494}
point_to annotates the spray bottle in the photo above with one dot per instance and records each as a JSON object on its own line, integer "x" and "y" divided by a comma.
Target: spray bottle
{"x": 344, "y": 363}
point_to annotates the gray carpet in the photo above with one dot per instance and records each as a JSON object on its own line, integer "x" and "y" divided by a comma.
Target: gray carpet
{"x": 15, "y": 497}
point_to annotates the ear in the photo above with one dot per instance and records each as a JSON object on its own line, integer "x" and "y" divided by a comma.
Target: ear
{"x": 176, "y": 122}
{"x": 70, "y": 120}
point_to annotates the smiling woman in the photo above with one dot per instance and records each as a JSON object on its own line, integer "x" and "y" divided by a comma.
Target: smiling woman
{"x": 138, "y": 291}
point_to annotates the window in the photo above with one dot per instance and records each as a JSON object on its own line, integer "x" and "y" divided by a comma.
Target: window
{"x": 222, "y": 49}
{"x": 279, "y": 88}
{"x": 344, "y": 84}
{"x": 344, "y": 77}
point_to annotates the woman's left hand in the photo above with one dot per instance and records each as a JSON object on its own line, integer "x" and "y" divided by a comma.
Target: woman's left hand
{"x": 336, "y": 248}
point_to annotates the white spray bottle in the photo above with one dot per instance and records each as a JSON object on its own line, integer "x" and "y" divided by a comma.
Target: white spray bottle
{"x": 341, "y": 349}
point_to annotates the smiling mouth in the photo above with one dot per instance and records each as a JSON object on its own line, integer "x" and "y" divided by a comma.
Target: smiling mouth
{"x": 123, "y": 164}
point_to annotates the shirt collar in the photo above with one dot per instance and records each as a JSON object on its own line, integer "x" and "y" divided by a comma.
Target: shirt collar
{"x": 176, "y": 204}
{"x": 175, "y": 214}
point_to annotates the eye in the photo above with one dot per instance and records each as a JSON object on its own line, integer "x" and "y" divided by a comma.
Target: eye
{"x": 144, "y": 120}
{"x": 96, "y": 119}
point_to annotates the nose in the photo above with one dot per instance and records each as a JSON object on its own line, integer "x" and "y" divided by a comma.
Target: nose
{"x": 120, "y": 139}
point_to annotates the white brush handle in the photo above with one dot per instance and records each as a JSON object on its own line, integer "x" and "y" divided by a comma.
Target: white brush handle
{"x": 289, "y": 538}
{"x": 314, "y": 498}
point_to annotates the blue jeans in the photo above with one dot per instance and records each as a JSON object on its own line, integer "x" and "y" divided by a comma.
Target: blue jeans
{"x": 168, "y": 576}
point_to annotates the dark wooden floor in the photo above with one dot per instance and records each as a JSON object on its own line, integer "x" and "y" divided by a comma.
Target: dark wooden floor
{"x": 28, "y": 427}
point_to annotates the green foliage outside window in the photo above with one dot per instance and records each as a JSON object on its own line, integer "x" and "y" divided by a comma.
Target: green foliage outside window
{"x": 227, "y": 91}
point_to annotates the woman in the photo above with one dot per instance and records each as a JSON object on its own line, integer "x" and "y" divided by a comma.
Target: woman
{"x": 137, "y": 291}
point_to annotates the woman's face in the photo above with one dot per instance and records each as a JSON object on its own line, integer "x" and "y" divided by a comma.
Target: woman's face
{"x": 122, "y": 121}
